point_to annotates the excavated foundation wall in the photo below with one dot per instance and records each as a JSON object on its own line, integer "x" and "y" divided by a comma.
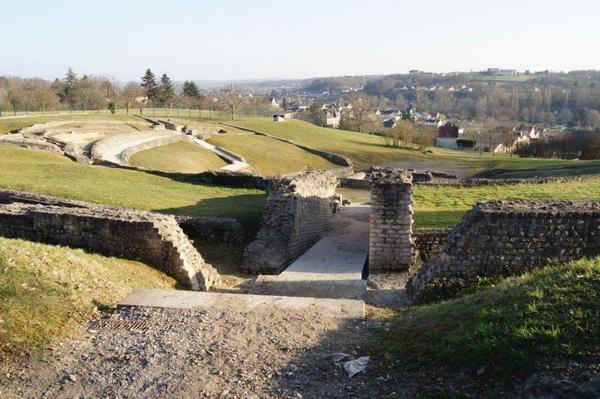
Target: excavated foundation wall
{"x": 298, "y": 211}
{"x": 205, "y": 228}
{"x": 155, "y": 239}
{"x": 430, "y": 242}
{"x": 391, "y": 245}
{"x": 505, "y": 238}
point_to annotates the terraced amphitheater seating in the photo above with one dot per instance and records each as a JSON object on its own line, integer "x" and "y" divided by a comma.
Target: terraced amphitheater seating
{"x": 113, "y": 149}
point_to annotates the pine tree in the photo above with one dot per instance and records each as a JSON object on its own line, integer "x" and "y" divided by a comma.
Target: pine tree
{"x": 191, "y": 90}
{"x": 166, "y": 91}
{"x": 69, "y": 87}
{"x": 149, "y": 84}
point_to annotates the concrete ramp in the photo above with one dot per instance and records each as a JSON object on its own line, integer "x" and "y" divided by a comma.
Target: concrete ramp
{"x": 176, "y": 299}
{"x": 333, "y": 267}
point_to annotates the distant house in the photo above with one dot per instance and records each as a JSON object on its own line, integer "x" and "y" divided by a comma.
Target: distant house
{"x": 389, "y": 123}
{"x": 520, "y": 135}
{"x": 332, "y": 115}
{"x": 274, "y": 102}
{"x": 501, "y": 72}
{"x": 278, "y": 118}
{"x": 448, "y": 138}
{"x": 332, "y": 118}
{"x": 448, "y": 130}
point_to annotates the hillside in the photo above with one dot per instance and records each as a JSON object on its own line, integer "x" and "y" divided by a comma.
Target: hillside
{"x": 47, "y": 291}
{"x": 366, "y": 150}
{"x": 493, "y": 340}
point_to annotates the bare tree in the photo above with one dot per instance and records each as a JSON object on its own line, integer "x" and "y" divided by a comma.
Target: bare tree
{"x": 234, "y": 100}
{"x": 359, "y": 114}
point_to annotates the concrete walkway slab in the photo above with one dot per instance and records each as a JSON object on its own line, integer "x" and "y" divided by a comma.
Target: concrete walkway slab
{"x": 177, "y": 299}
{"x": 333, "y": 267}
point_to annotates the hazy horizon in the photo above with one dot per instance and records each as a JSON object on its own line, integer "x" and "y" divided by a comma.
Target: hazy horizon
{"x": 267, "y": 40}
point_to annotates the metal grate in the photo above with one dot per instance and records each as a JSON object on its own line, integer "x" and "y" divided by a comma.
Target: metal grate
{"x": 119, "y": 324}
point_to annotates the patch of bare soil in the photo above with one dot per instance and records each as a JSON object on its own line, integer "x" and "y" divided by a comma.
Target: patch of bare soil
{"x": 265, "y": 353}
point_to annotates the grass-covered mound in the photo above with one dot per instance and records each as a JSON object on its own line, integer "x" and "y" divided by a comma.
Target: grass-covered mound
{"x": 271, "y": 157}
{"x": 502, "y": 333}
{"x": 47, "y": 291}
{"x": 182, "y": 157}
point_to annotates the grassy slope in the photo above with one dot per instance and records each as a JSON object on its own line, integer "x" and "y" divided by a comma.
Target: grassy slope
{"x": 271, "y": 157}
{"x": 36, "y": 171}
{"x": 506, "y": 331}
{"x": 182, "y": 156}
{"x": 366, "y": 150}
{"x": 46, "y": 291}
{"x": 10, "y": 124}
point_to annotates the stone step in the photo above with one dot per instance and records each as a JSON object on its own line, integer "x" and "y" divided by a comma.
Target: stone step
{"x": 177, "y": 299}
{"x": 336, "y": 289}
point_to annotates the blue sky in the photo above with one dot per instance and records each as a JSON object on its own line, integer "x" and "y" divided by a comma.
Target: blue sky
{"x": 232, "y": 39}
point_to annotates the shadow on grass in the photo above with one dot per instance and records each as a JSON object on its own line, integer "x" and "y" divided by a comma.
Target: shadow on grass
{"x": 543, "y": 171}
{"x": 247, "y": 209}
{"x": 435, "y": 218}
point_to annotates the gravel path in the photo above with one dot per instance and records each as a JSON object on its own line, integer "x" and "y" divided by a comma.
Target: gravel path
{"x": 267, "y": 353}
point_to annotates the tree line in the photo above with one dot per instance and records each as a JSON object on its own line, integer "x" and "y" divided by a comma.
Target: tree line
{"x": 570, "y": 98}
{"x": 569, "y": 145}
{"x": 87, "y": 92}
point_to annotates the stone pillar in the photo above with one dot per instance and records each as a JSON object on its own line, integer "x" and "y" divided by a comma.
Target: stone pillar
{"x": 390, "y": 238}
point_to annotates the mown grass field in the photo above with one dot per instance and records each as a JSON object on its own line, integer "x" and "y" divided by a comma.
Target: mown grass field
{"x": 45, "y": 173}
{"x": 182, "y": 156}
{"x": 47, "y": 291}
{"x": 271, "y": 157}
{"x": 366, "y": 150}
{"x": 501, "y": 334}
{"x": 445, "y": 206}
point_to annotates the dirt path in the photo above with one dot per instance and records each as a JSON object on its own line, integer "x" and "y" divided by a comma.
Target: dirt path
{"x": 222, "y": 352}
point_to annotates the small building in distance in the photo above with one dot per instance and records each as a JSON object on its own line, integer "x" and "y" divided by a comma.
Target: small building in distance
{"x": 332, "y": 115}
{"x": 501, "y": 72}
{"x": 448, "y": 137}
{"x": 278, "y": 118}
{"x": 274, "y": 102}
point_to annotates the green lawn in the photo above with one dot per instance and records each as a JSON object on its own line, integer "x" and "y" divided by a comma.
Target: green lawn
{"x": 182, "y": 156}
{"x": 500, "y": 334}
{"x": 445, "y": 206}
{"x": 366, "y": 150}
{"x": 269, "y": 156}
{"x": 47, "y": 291}
{"x": 45, "y": 173}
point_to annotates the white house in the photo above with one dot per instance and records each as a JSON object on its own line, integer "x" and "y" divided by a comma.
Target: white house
{"x": 274, "y": 102}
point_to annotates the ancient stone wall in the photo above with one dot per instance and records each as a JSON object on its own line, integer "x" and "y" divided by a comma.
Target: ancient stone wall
{"x": 505, "y": 238}
{"x": 298, "y": 212}
{"x": 128, "y": 153}
{"x": 152, "y": 238}
{"x": 17, "y": 139}
{"x": 206, "y": 228}
{"x": 391, "y": 245}
{"x": 430, "y": 242}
